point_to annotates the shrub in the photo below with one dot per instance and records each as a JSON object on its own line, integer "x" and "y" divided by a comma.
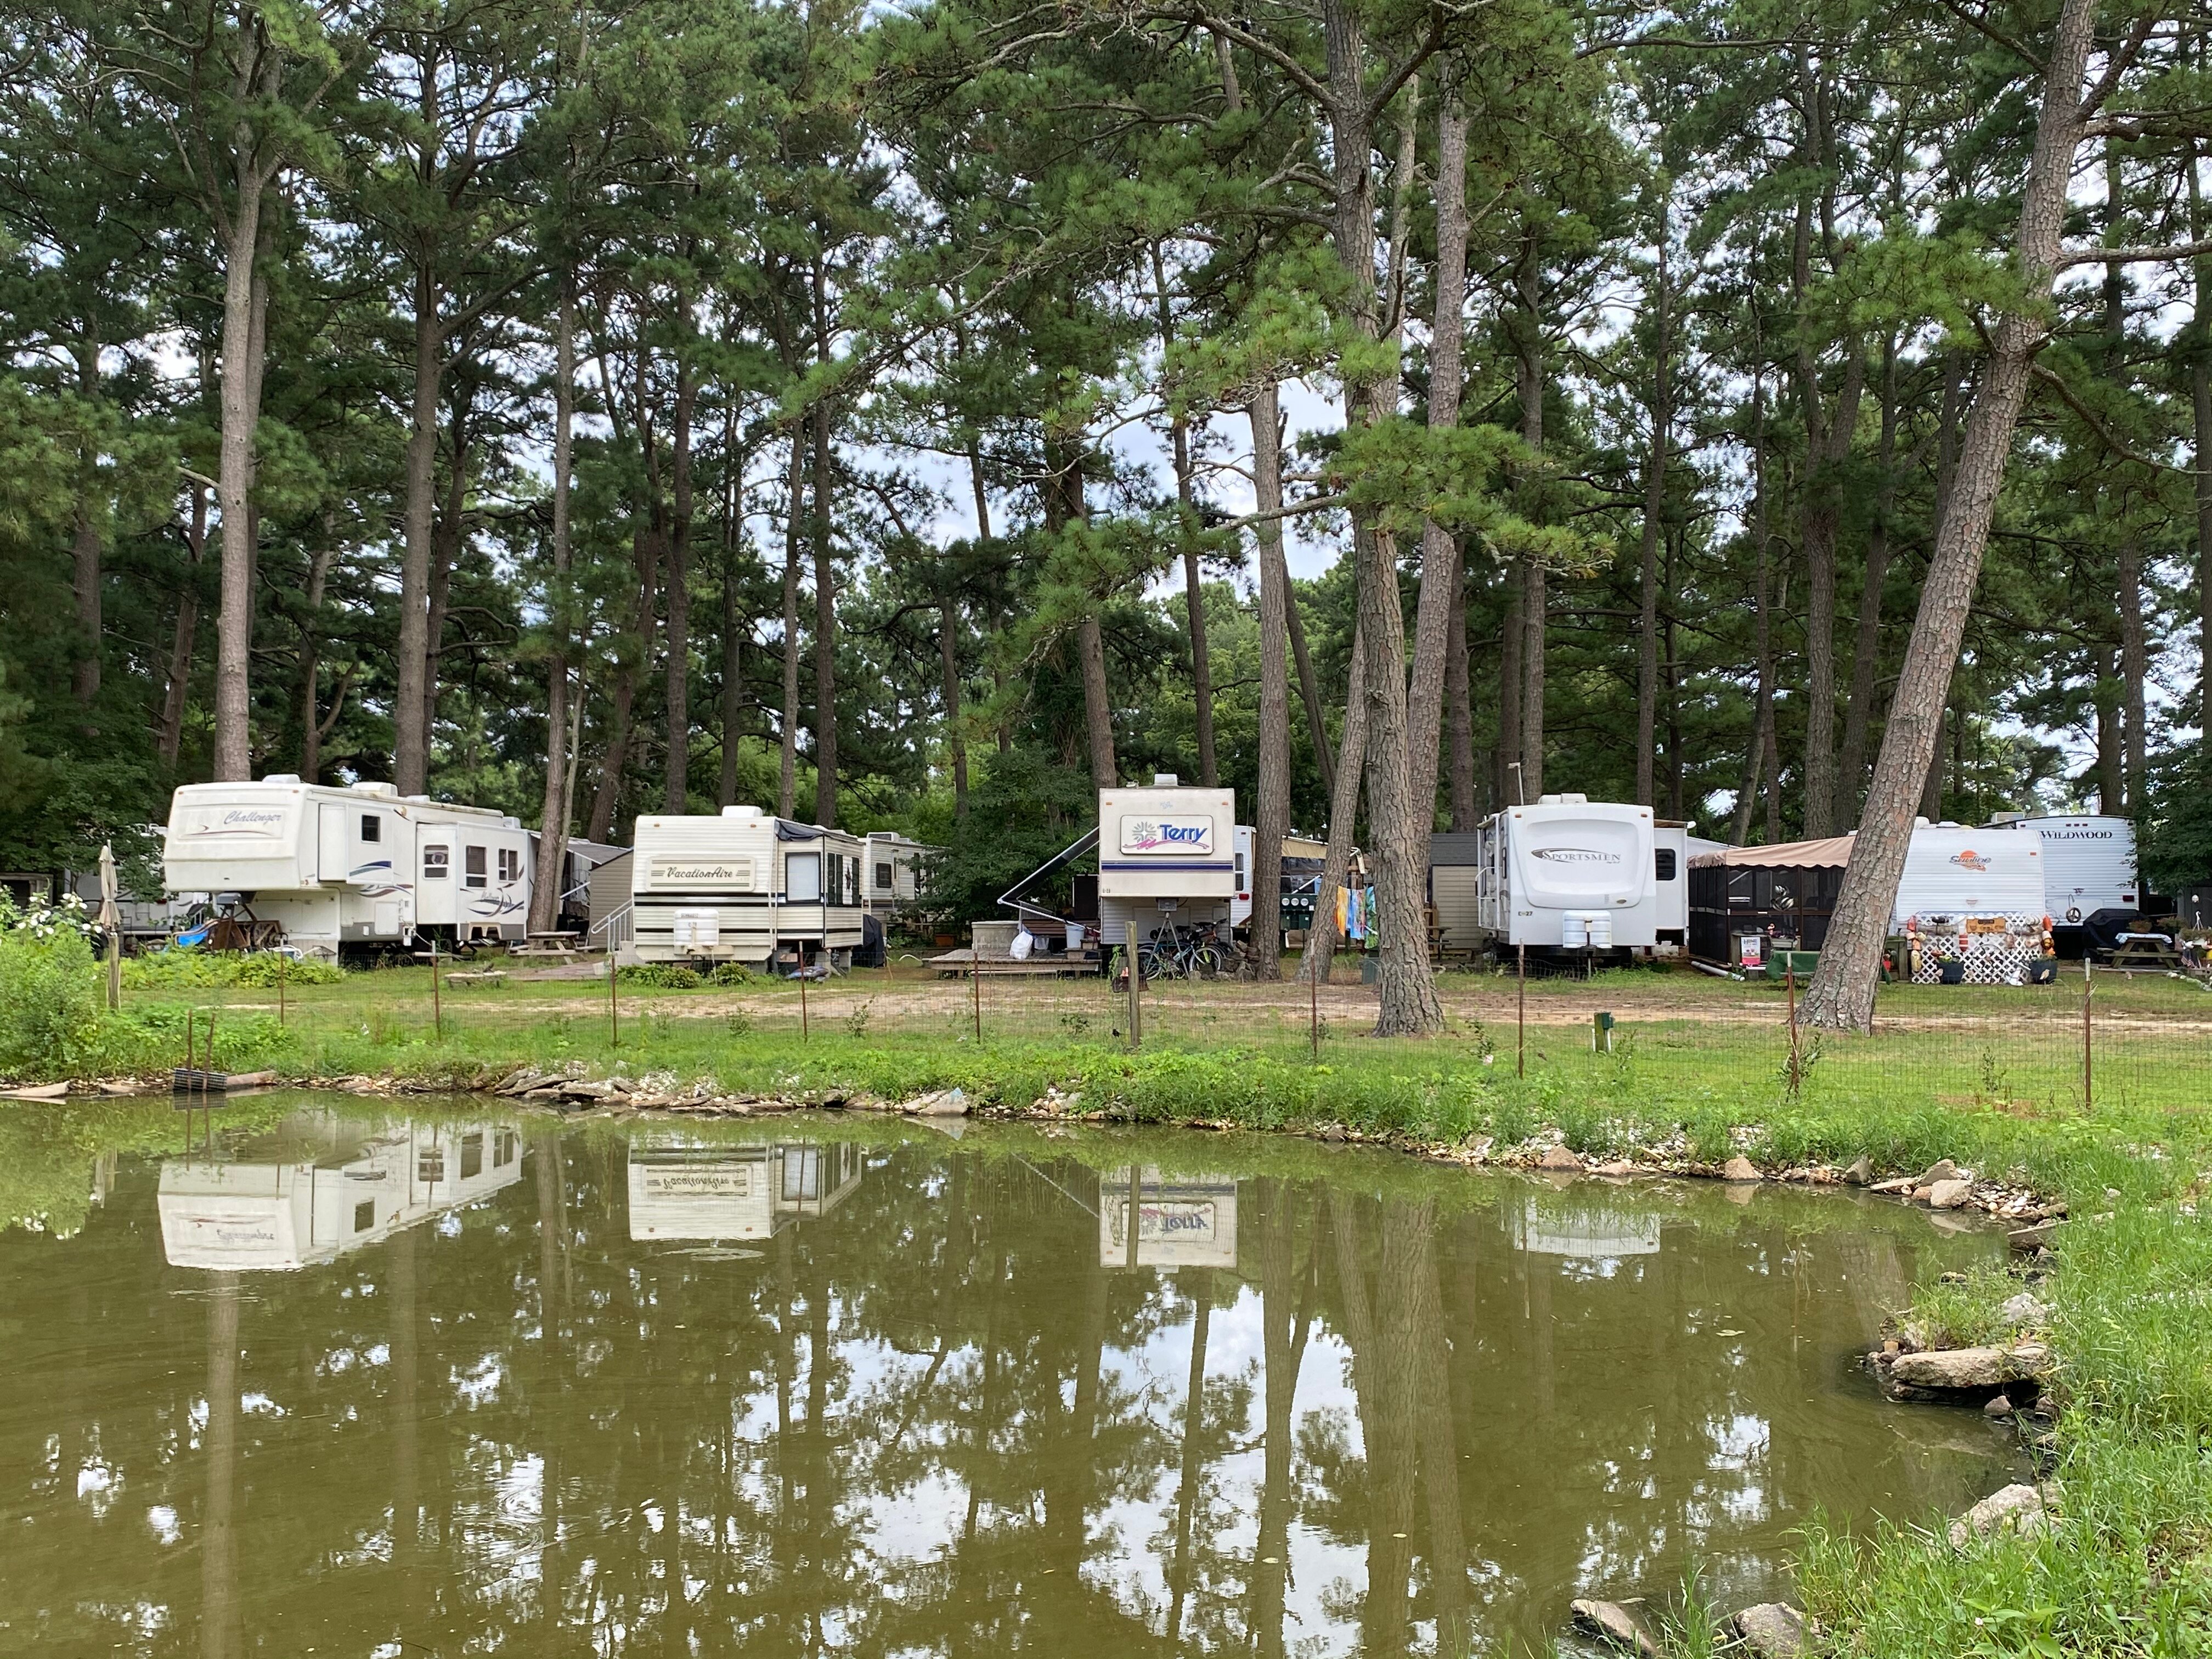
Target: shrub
{"x": 660, "y": 976}
{"x": 731, "y": 973}
{"x": 189, "y": 966}
{"x": 50, "y": 995}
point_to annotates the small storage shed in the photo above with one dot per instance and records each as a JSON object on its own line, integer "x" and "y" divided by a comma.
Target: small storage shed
{"x": 1784, "y": 893}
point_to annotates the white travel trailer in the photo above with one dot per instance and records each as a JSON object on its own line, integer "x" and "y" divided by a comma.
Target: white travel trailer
{"x": 745, "y": 886}
{"x": 1975, "y": 897}
{"x": 353, "y": 867}
{"x": 2088, "y": 865}
{"x": 896, "y": 872}
{"x": 1170, "y": 857}
{"x": 311, "y": 1203}
{"x": 1571, "y": 873}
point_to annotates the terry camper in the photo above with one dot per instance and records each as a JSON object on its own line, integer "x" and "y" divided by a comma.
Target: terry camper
{"x": 1975, "y": 898}
{"x": 1170, "y": 857}
{"x": 334, "y": 868}
{"x": 1570, "y": 874}
{"x": 744, "y": 886}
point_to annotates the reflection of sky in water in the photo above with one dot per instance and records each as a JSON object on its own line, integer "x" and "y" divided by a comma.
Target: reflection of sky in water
{"x": 1630, "y": 1380}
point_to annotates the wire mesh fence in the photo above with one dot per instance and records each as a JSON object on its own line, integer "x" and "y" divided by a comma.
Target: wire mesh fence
{"x": 2089, "y": 1038}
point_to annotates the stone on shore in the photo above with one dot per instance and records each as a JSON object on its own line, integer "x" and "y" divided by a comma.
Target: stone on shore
{"x": 1970, "y": 1368}
{"x": 1611, "y": 1622}
{"x": 2016, "y": 1510}
{"x": 1948, "y": 1194}
{"x": 1860, "y": 1173}
{"x": 1941, "y": 1170}
{"x": 2028, "y": 1240}
{"x": 2023, "y": 1310}
{"x": 1741, "y": 1168}
{"x": 1559, "y": 1158}
{"x": 1773, "y": 1630}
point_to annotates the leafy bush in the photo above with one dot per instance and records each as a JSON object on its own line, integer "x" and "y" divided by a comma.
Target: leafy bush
{"x": 731, "y": 973}
{"x": 660, "y": 976}
{"x": 264, "y": 967}
{"x": 189, "y": 966}
{"x": 50, "y": 992}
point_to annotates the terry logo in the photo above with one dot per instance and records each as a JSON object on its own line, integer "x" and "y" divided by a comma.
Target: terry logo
{"x": 1167, "y": 836}
{"x": 1970, "y": 859}
{"x": 1575, "y": 856}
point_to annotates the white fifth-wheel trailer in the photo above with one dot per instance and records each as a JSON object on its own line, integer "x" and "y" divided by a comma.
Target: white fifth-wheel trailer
{"x": 1569, "y": 873}
{"x": 340, "y": 869}
{"x": 744, "y": 886}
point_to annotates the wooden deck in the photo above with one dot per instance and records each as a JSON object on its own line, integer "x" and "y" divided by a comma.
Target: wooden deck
{"x": 961, "y": 963}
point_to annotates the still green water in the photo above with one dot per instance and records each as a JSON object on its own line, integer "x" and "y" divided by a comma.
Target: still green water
{"x": 353, "y": 1385}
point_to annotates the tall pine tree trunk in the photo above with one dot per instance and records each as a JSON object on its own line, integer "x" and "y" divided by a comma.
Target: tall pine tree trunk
{"x": 786, "y": 789}
{"x": 1440, "y": 552}
{"x": 1272, "y": 812}
{"x": 1841, "y": 995}
{"x": 1407, "y": 1003}
{"x": 410, "y": 760}
{"x": 825, "y": 586}
{"x": 553, "y": 805}
{"x": 183, "y": 639}
{"x": 677, "y": 795}
{"x": 245, "y": 302}
{"x": 1655, "y": 505}
{"x": 1458, "y": 715}
{"x": 1534, "y": 606}
{"x": 445, "y": 537}
{"x": 2135, "y": 672}
{"x": 1757, "y": 760}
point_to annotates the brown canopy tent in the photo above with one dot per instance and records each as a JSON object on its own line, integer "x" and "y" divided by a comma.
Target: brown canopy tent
{"x": 1784, "y": 892}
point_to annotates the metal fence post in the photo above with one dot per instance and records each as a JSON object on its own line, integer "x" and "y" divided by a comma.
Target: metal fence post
{"x": 975, "y": 982}
{"x": 1313, "y": 1010}
{"x": 2089, "y": 1038}
{"x": 1521, "y": 1014}
{"x": 614, "y": 1005}
{"x": 1790, "y": 989}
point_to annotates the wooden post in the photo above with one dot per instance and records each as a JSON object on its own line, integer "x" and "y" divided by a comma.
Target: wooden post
{"x": 1521, "y": 1014}
{"x": 437, "y": 1004}
{"x": 207, "y": 1072}
{"x": 190, "y": 1034}
{"x": 283, "y": 964}
{"x": 2088, "y": 1035}
{"x": 802, "y": 992}
{"x": 975, "y": 985}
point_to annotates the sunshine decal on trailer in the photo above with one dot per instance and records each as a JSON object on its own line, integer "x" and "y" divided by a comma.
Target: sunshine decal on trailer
{"x": 1165, "y": 834}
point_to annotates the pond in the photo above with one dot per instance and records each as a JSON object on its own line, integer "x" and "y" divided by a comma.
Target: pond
{"x": 325, "y": 1381}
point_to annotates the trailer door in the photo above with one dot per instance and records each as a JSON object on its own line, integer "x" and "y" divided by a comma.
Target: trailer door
{"x": 331, "y": 861}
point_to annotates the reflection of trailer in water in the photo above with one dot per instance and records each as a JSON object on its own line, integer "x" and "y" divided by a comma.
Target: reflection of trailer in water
{"x": 681, "y": 1190}
{"x": 1152, "y": 1222}
{"x": 320, "y": 1190}
{"x": 1583, "y": 1232}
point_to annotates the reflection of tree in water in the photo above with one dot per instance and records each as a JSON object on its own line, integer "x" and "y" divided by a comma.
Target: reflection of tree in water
{"x": 930, "y": 1422}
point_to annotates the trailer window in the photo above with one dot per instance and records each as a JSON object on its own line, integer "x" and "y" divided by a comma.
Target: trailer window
{"x": 1663, "y": 859}
{"x": 472, "y": 868}
{"x": 510, "y": 865}
{"x": 471, "y": 1154}
{"x": 372, "y": 827}
{"x": 883, "y": 877}
{"x": 852, "y": 880}
{"x": 437, "y": 863}
{"x": 364, "y": 1215}
{"x": 802, "y": 878}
